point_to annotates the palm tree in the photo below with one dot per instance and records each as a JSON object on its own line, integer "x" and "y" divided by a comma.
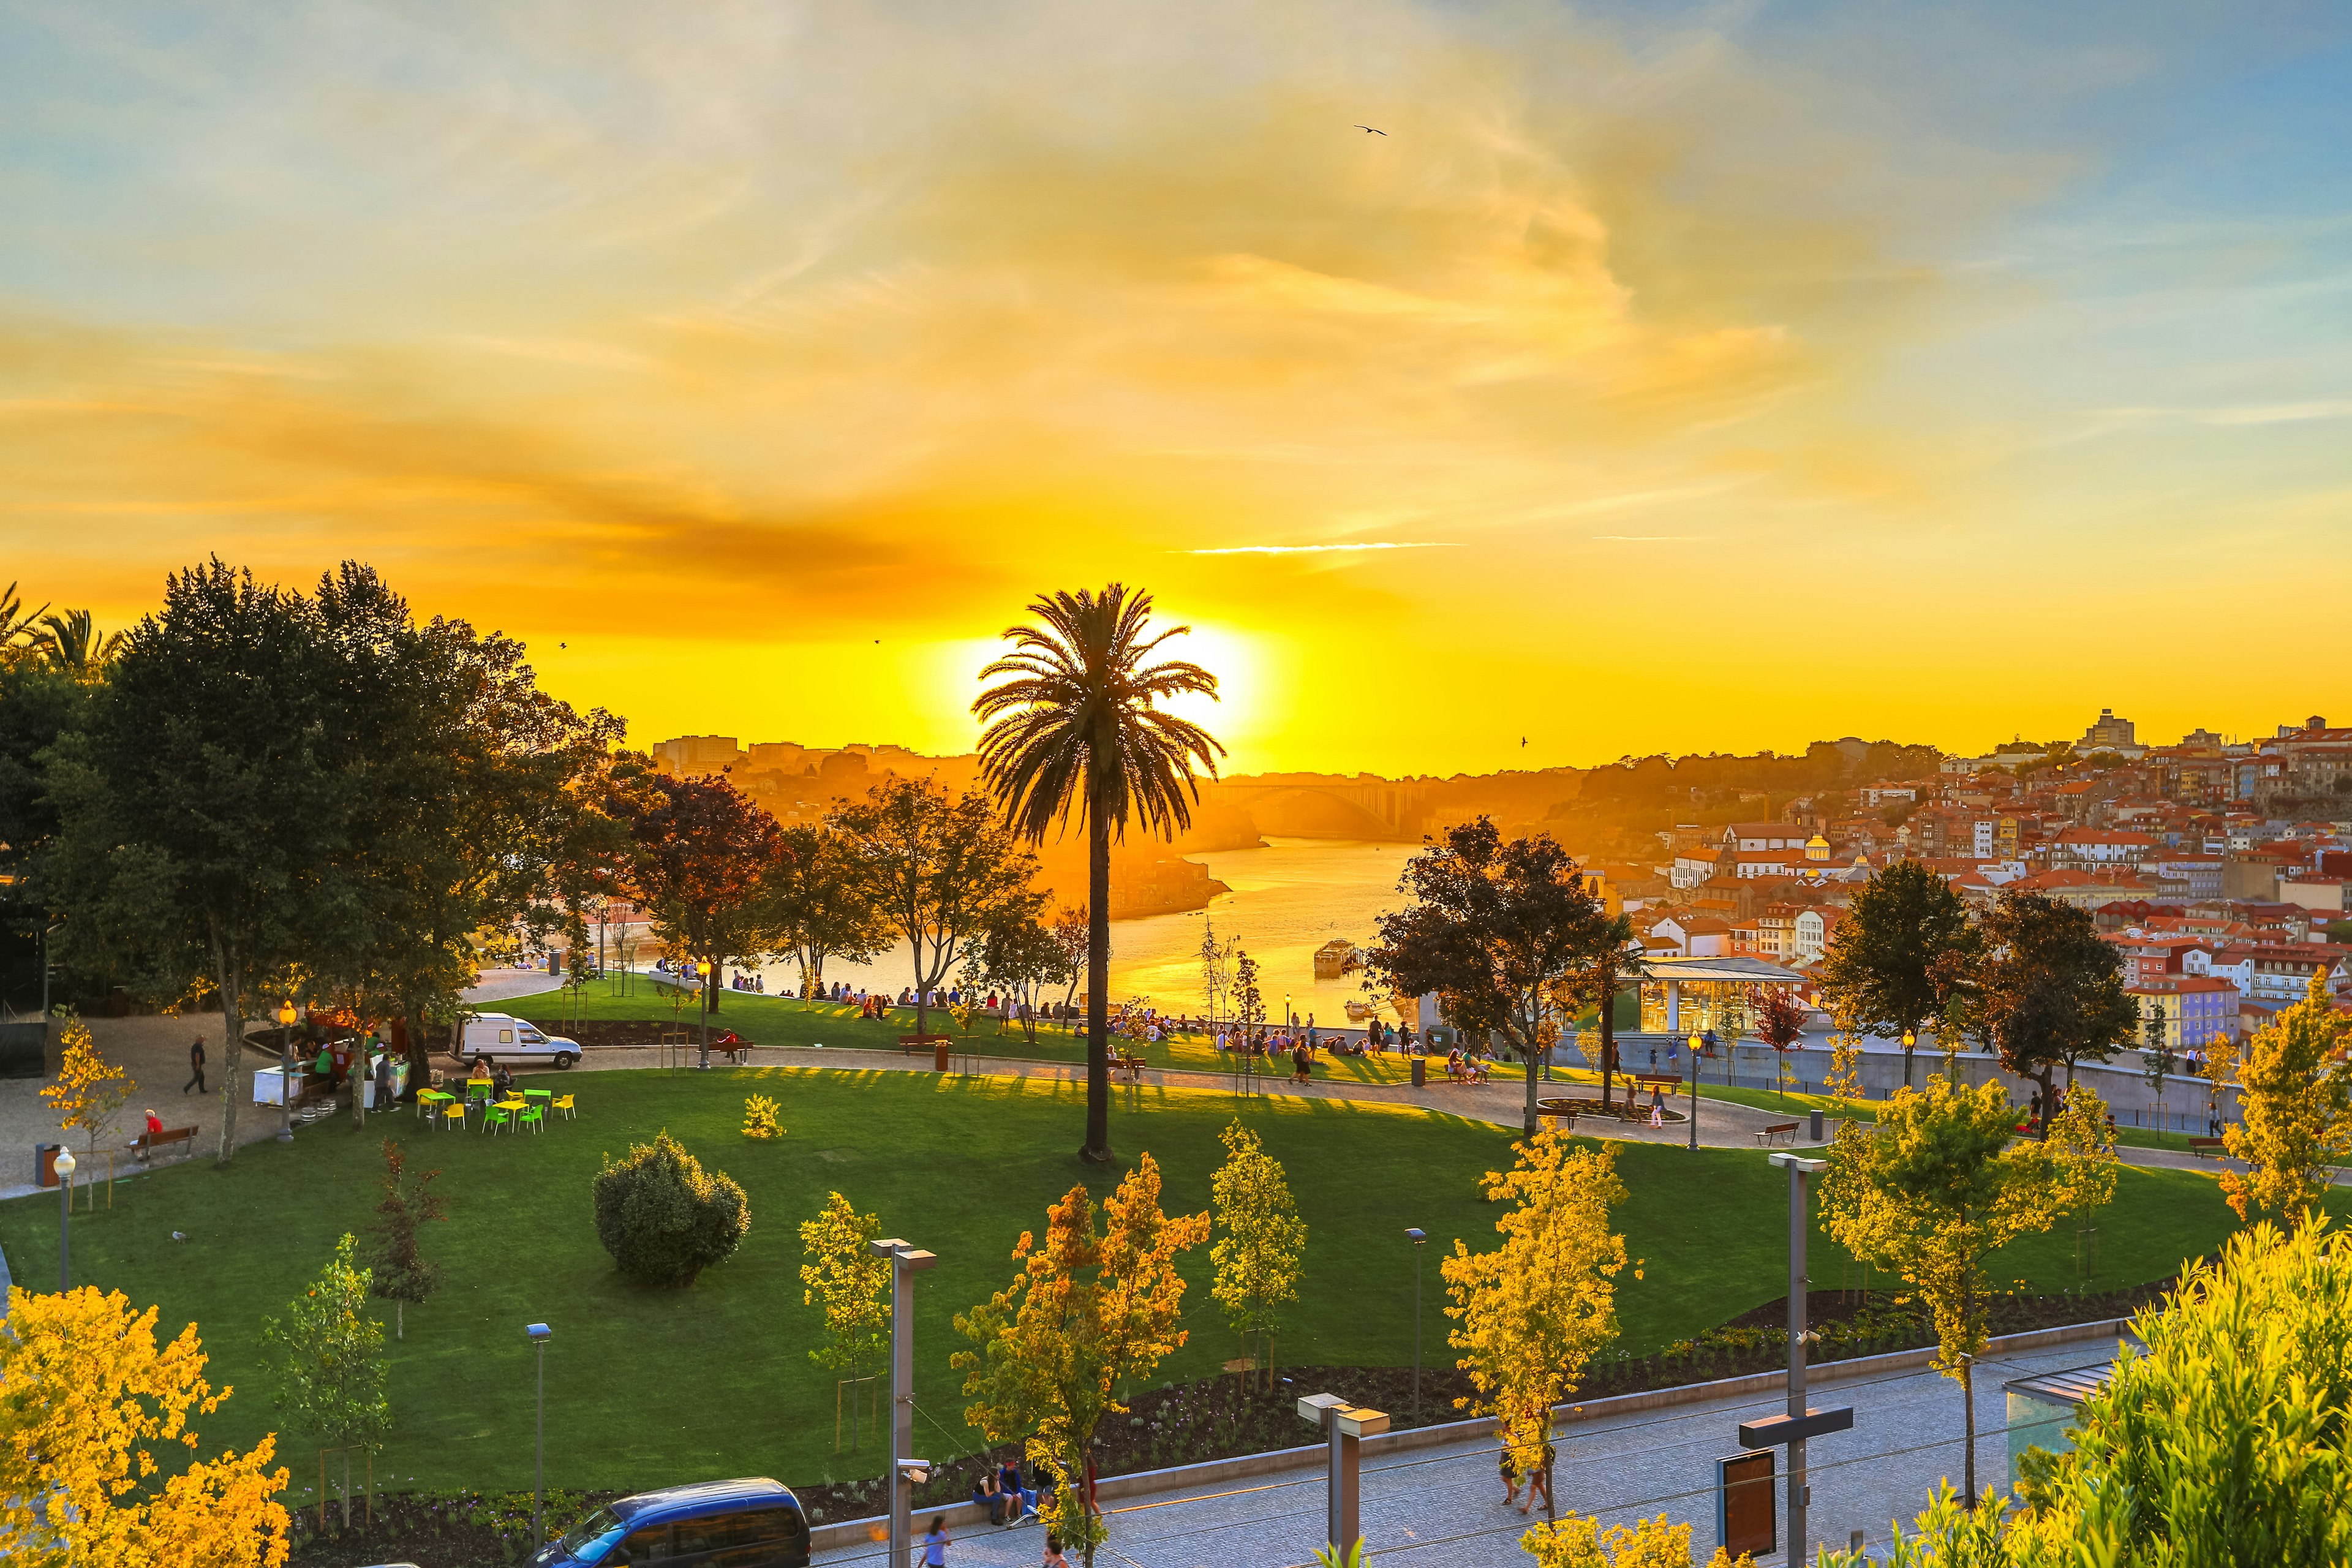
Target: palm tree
{"x": 69, "y": 642}
{"x": 1074, "y": 728}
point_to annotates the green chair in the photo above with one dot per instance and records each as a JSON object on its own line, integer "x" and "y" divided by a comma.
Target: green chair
{"x": 545, "y": 1095}
{"x": 535, "y": 1117}
{"x": 495, "y": 1117}
{"x": 479, "y": 1088}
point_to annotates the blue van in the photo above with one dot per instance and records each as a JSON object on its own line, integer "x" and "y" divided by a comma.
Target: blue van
{"x": 754, "y": 1523}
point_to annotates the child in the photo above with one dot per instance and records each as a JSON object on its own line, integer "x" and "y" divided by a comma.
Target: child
{"x": 936, "y": 1541}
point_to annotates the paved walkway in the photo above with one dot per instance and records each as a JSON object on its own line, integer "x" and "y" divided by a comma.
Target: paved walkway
{"x": 1443, "y": 1506}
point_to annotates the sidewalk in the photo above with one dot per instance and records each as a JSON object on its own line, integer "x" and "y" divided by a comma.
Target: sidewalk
{"x": 1443, "y": 1506}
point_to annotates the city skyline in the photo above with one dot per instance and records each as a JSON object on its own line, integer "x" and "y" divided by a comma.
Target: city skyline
{"x": 1661, "y": 380}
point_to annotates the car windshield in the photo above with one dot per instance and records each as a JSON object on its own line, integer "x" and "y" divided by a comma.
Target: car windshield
{"x": 587, "y": 1540}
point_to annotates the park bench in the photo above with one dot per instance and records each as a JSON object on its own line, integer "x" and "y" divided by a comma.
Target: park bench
{"x": 1775, "y": 1131}
{"x": 1132, "y": 1066}
{"x": 147, "y": 1144}
{"x": 909, "y": 1044}
{"x": 2205, "y": 1148}
{"x": 733, "y": 1047}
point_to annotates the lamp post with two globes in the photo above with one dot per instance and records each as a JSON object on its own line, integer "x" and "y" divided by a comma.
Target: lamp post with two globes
{"x": 1695, "y": 1044}
{"x": 64, "y": 1166}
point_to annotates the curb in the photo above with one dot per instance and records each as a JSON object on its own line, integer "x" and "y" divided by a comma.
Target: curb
{"x": 1242, "y": 1467}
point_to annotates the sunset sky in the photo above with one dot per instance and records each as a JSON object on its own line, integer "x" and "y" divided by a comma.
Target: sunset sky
{"x": 1665, "y": 376}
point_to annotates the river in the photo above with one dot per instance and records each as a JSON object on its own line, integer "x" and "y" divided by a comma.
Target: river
{"x": 1288, "y": 899}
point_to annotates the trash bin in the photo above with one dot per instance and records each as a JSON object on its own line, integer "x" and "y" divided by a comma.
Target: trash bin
{"x": 940, "y": 1055}
{"x": 1816, "y": 1130}
{"x": 1421, "y": 1072}
{"x": 45, "y": 1164}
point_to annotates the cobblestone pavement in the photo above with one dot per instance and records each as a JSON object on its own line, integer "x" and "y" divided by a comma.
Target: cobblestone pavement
{"x": 1442, "y": 1508}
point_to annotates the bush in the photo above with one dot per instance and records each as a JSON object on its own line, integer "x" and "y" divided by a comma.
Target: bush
{"x": 663, "y": 1217}
{"x": 760, "y": 1117}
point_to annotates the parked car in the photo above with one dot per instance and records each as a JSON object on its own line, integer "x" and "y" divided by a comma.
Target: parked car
{"x": 753, "y": 1523}
{"x": 498, "y": 1036}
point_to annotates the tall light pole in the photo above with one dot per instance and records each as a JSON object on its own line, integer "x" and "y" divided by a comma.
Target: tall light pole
{"x": 64, "y": 1166}
{"x": 906, "y": 1472}
{"x": 286, "y": 1071}
{"x": 1418, "y": 1240}
{"x": 539, "y": 1334}
{"x": 1694, "y": 1109}
{"x": 1800, "y": 1422}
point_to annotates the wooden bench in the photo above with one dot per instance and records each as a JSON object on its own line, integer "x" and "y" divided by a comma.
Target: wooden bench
{"x": 1776, "y": 1131}
{"x": 2206, "y": 1148}
{"x": 1131, "y": 1066}
{"x": 909, "y": 1044}
{"x": 147, "y": 1144}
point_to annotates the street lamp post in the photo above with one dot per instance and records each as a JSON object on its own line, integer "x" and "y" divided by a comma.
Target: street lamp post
{"x": 1910, "y": 1039}
{"x": 286, "y": 1071}
{"x": 1693, "y": 1105}
{"x": 1418, "y": 1240}
{"x": 906, "y": 1473}
{"x": 64, "y": 1166}
{"x": 539, "y": 1334}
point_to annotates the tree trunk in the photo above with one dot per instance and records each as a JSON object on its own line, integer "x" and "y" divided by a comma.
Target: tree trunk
{"x": 2049, "y": 1105}
{"x": 1607, "y": 1039}
{"x": 1097, "y": 1145}
{"x": 1969, "y": 1458}
{"x": 419, "y": 1053}
{"x": 1529, "y": 1050}
{"x": 232, "y": 1047}
{"x": 359, "y": 1079}
{"x": 346, "y": 1499}
{"x": 399, "y": 1319}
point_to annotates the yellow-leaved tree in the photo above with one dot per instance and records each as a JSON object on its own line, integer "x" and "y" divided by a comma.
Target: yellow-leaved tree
{"x": 1532, "y": 1312}
{"x": 1942, "y": 1184}
{"x": 1579, "y": 1542}
{"x": 89, "y": 1092}
{"x": 2295, "y": 1095}
{"x": 1089, "y": 1309}
{"x": 852, "y": 1285}
{"x": 88, "y": 1402}
{"x": 1261, "y": 1243}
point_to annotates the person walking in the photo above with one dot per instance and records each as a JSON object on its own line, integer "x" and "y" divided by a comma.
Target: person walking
{"x": 197, "y": 1066}
{"x": 936, "y": 1541}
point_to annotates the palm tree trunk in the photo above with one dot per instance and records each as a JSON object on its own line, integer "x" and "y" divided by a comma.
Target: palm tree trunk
{"x": 1607, "y": 1039}
{"x": 1097, "y": 1145}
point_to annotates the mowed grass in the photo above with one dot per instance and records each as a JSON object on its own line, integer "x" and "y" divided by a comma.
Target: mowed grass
{"x": 649, "y": 1387}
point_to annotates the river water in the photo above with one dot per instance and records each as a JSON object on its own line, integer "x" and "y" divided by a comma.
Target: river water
{"x": 1288, "y": 899}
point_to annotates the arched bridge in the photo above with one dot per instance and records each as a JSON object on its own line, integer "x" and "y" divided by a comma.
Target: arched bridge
{"x": 1335, "y": 808}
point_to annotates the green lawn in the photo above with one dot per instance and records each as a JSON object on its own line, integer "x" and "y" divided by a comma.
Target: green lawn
{"x": 647, "y": 1387}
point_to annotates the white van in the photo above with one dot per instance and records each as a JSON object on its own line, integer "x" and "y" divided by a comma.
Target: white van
{"x": 498, "y": 1036}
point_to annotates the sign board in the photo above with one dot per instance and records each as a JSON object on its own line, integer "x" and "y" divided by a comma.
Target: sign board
{"x": 1747, "y": 1516}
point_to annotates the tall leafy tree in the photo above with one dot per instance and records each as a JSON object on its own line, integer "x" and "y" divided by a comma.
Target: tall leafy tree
{"x": 1532, "y": 1312}
{"x": 815, "y": 902}
{"x": 1020, "y": 957}
{"x": 1939, "y": 1187}
{"x": 1075, "y": 726}
{"x": 1091, "y": 1311}
{"x": 202, "y": 817}
{"x": 2049, "y": 989}
{"x": 943, "y": 873}
{"x": 1880, "y": 975}
{"x": 1495, "y": 926}
{"x": 93, "y": 1411}
{"x": 2295, "y": 1094}
{"x": 700, "y": 851}
{"x": 849, "y": 1284}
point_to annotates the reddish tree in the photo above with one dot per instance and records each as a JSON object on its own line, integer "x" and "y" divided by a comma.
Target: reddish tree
{"x": 1780, "y": 1023}
{"x": 699, "y": 849}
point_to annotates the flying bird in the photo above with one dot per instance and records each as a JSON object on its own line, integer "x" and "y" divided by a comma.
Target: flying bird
{"x": 1523, "y": 740}
{"x": 1373, "y": 129}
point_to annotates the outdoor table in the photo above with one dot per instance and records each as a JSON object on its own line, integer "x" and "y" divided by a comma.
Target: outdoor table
{"x": 512, "y": 1107}
{"x": 427, "y": 1098}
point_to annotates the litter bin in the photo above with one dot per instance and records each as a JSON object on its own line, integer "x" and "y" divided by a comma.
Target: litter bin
{"x": 940, "y": 1055}
{"x": 1816, "y": 1130}
{"x": 45, "y": 1164}
{"x": 1421, "y": 1072}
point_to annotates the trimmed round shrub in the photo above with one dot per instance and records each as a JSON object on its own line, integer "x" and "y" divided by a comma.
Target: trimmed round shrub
{"x": 663, "y": 1217}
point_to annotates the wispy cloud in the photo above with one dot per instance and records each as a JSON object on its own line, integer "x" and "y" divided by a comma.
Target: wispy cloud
{"x": 1325, "y": 549}
{"x": 1652, "y": 538}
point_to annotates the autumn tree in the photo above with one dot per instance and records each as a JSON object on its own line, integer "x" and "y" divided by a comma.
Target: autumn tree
{"x": 328, "y": 1356}
{"x": 1880, "y": 972}
{"x": 398, "y": 1270}
{"x": 700, "y": 851}
{"x": 849, "y": 1284}
{"x": 1532, "y": 1312}
{"x": 1939, "y": 1186}
{"x": 1780, "y": 1023}
{"x": 90, "y": 1091}
{"x": 1578, "y": 1541}
{"x": 93, "y": 1415}
{"x": 1089, "y": 1311}
{"x": 1261, "y": 1243}
{"x": 943, "y": 873}
{"x": 1493, "y": 927}
{"x": 2295, "y": 1107}
{"x": 2051, "y": 989}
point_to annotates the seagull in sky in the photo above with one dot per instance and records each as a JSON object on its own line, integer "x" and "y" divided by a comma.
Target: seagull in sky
{"x": 1522, "y": 740}
{"x": 1373, "y": 129}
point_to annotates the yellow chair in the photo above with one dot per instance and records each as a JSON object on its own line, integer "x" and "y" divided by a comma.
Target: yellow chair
{"x": 454, "y": 1114}
{"x": 564, "y": 1104}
